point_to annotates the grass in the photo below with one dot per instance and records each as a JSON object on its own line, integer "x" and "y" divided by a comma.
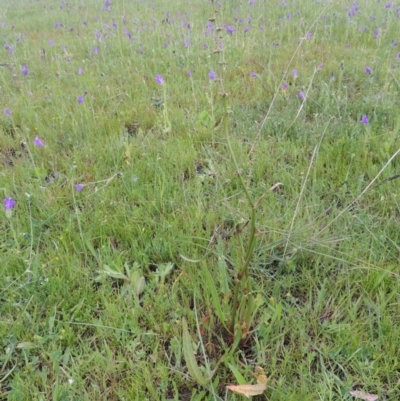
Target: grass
{"x": 95, "y": 284}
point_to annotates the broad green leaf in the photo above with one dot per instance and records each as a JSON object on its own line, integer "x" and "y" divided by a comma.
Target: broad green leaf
{"x": 216, "y": 299}
{"x": 190, "y": 359}
{"x": 139, "y": 286}
{"x": 112, "y": 273}
{"x": 238, "y": 376}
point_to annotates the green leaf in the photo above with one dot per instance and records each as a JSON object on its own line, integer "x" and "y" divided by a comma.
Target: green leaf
{"x": 139, "y": 286}
{"x": 190, "y": 359}
{"x": 238, "y": 376}
{"x": 112, "y": 273}
{"x": 216, "y": 300}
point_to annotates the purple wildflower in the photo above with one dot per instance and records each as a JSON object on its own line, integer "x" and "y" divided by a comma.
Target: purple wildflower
{"x": 51, "y": 42}
{"x": 398, "y": 55}
{"x": 24, "y": 69}
{"x": 189, "y": 74}
{"x": 364, "y": 119}
{"x": 302, "y": 95}
{"x": 95, "y": 50}
{"x": 9, "y": 203}
{"x": 80, "y": 71}
{"x": 376, "y": 33}
{"x": 294, "y": 73}
{"x": 212, "y": 75}
{"x": 38, "y": 142}
{"x": 253, "y": 75}
{"x": 7, "y": 111}
{"x": 78, "y": 187}
{"x": 284, "y": 86}
{"x": 81, "y": 99}
{"x": 230, "y": 29}
{"x": 308, "y": 35}
{"x": 368, "y": 70}
{"x": 159, "y": 79}
{"x": 9, "y": 48}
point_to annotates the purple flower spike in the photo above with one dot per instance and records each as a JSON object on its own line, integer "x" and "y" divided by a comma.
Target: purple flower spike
{"x": 284, "y": 86}
{"x": 7, "y": 112}
{"x": 81, "y": 99}
{"x": 294, "y": 73}
{"x": 24, "y": 69}
{"x": 364, "y": 119}
{"x": 9, "y": 203}
{"x": 95, "y": 50}
{"x": 38, "y": 142}
{"x": 78, "y": 187}
{"x": 159, "y": 79}
{"x": 212, "y": 75}
{"x": 302, "y": 95}
{"x": 368, "y": 70}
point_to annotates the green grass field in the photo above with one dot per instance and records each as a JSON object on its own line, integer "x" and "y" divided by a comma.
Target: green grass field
{"x": 195, "y": 189}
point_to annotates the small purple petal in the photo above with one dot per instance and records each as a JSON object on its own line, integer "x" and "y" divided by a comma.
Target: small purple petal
{"x": 38, "y": 142}
{"x": 368, "y": 70}
{"x": 7, "y": 111}
{"x": 159, "y": 79}
{"x": 80, "y": 71}
{"x": 78, "y": 187}
{"x": 212, "y": 75}
{"x": 302, "y": 95}
{"x": 253, "y": 75}
{"x": 189, "y": 73}
{"x": 81, "y": 99}
{"x": 284, "y": 86}
{"x": 364, "y": 119}
{"x": 294, "y": 73}
{"x": 9, "y": 203}
{"x": 24, "y": 69}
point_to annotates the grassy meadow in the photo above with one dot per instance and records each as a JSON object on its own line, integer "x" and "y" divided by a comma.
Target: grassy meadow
{"x": 196, "y": 194}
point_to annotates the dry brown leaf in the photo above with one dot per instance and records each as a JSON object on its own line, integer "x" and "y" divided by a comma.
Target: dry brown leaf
{"x": 260, "y": 375}
{"x": 248, "y": 390}
{"x": 364, "y": 396}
